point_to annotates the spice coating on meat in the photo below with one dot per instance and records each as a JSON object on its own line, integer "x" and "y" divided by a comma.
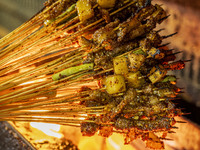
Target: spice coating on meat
{"x": 89, "y": 129}
{"x": 136, "y": 91}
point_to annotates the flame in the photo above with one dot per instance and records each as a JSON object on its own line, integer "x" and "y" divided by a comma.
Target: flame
{"x": 48, "y": 128}
{"x": 116, "y": 141}
{"x": 113, "y": 144}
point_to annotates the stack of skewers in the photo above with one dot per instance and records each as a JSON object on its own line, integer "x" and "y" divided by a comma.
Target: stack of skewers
{"x": 95, "y": 64}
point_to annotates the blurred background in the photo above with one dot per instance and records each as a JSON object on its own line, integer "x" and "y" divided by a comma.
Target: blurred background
{"x": 184, "y": 19}
{"x": 15, "y": 12}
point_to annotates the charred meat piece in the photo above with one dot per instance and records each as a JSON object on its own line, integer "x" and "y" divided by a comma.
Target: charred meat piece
{"x": 89, "y": 129}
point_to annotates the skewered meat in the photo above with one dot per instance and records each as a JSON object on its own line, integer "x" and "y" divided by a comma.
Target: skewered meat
{"x": 135, "y": 88}
{"x": 89, "y": 129}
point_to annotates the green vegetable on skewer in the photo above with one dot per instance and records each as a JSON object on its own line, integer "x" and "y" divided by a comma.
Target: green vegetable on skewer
{"x": 72, "y": 70}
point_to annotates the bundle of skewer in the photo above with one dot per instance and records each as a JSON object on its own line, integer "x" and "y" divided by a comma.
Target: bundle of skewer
{"x": 94, "y": 64}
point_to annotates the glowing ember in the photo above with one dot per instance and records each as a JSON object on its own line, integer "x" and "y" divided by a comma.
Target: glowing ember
{"x": 48, "y": 128}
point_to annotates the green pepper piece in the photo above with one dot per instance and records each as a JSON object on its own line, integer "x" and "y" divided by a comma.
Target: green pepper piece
{"x": 169, "y": 78}
{"x": 139, "y": 51}
{"x": 72, "y": 70}
{"x": 70, "y": 9}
